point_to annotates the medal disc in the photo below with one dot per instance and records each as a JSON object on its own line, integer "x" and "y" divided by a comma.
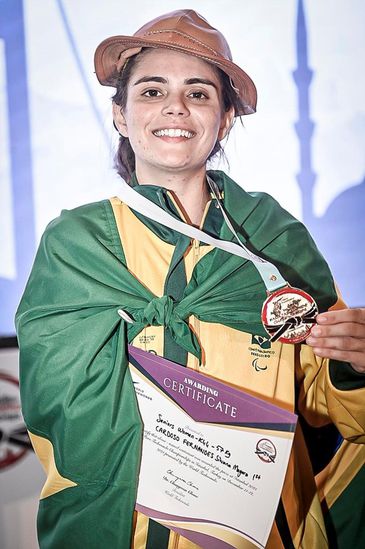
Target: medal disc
{"x": 288, "y": 315}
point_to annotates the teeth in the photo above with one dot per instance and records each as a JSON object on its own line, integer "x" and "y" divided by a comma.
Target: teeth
{"x": 174, "y": 132}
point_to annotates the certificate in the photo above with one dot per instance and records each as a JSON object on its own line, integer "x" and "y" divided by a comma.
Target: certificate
{"x": 213, "y": 457}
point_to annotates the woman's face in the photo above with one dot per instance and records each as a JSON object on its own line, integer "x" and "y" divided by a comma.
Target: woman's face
{"x": 173, "y": 114}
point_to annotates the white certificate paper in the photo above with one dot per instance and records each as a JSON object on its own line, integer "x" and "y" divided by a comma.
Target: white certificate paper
{"x": 213, "y": 457}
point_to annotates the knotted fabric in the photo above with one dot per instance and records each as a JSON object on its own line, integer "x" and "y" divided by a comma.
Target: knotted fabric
{"x": 163, "y": 311}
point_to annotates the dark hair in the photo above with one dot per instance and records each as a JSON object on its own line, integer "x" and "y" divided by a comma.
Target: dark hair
{"x": 124, "y": 160}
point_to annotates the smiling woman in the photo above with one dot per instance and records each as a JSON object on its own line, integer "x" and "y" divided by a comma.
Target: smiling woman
{"x": 112, "y": 273}
{"x": 172, "y": 116}
{"x": 161, "y": 91}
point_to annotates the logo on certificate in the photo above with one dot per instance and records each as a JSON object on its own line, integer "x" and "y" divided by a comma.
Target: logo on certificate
{"x": 266, "y": 450}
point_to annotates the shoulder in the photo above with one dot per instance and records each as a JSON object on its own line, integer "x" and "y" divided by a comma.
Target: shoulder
{"x": 87, "y": 228}
{"x": 258, "y": 213}
{"x": 89, "y": 221}
{"x": 268, "y": 203}
{"x": 276, "y": 215}
{"x": 248, "y": 204}
{"x": 82, "y": 218}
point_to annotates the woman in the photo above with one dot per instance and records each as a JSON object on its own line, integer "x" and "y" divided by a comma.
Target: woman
{"x": 106, "y": 274}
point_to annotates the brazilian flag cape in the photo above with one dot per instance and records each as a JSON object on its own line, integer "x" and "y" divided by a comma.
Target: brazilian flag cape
{"x": 76, "y": 388}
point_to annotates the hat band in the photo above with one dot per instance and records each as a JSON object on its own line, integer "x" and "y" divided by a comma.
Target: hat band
{"x": 191, "y": 39}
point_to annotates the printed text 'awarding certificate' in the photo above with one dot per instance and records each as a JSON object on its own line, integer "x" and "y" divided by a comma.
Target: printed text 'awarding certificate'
{"x": 213, "y": 458}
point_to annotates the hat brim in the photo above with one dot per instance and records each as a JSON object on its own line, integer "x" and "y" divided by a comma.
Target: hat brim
{"x": 107, "y": 56}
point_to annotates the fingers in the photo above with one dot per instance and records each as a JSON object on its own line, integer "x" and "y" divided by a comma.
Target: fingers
{"x": 342, "y": 315}
{"x": 343, "y": 329}
{"x": 340, "y": 343}
{"x": 356, "y": 359}
{"x": 340, "y": 335}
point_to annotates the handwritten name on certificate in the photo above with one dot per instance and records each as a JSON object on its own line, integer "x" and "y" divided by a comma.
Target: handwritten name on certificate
{"x": 213, "y": 457}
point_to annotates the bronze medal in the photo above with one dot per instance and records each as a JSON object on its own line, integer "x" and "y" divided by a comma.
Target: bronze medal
{"x": 288, "y": 315}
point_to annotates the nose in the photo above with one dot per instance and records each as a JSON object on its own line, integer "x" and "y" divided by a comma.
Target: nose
{"x": 175, "y": 106}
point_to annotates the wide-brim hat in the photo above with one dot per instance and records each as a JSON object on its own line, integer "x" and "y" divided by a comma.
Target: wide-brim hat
{"x": 185, "y": 31}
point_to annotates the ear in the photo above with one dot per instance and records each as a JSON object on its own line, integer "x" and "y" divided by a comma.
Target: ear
{"x": 226, "y": 123}
{"x": 119, "y": 120}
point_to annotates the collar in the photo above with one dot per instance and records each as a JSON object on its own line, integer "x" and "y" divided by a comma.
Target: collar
{"x": 162, "y": 197}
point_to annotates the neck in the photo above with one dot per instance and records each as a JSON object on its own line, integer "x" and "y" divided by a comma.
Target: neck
{"x": 189, "y": 190}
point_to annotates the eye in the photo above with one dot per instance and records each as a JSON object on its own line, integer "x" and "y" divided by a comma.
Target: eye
{"x": 198, "y": 95}
{"x": 152, "y": 93}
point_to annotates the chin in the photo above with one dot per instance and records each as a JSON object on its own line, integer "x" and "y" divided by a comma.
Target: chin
{"x": 175, "y": 163}
{"x": 180, "y": 161}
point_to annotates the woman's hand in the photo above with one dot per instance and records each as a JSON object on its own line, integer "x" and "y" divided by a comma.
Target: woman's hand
{"x": 340, "y": 335}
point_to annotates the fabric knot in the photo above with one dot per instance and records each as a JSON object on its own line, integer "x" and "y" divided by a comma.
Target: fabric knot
{"x": 159, "y": 312}
{"x": 164, "y": 311}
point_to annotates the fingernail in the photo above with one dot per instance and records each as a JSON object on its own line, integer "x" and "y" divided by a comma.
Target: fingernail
{"x": 321, "y": 318}
{"x": 316, "y": 330}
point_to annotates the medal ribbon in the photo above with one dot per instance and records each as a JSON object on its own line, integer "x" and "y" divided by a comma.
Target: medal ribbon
{"x": 268, "y": 272}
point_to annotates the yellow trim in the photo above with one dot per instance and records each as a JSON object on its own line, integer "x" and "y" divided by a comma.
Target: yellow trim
{"x": 140, "y": 531}
{"x": 340, "y": 304}
{"x": 175, "y": 540}
{"x": 341, "y": 470}
{"x": 55, "y": 482}
{"x": 152, "y": 265}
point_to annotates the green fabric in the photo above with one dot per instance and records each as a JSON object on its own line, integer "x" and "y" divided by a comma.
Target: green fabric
{"x": 344, "y": 377}
{"x": 174, "y": 288}
{"x": 75, "y": 386}
{"x": 345, "y": 519}
{"x": 86, "y": 517}
{"x": 158, "y": 536}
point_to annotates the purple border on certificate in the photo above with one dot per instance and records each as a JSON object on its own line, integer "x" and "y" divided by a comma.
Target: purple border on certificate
{"x": 208, "y": 400}
{"x": 204, "y": 540}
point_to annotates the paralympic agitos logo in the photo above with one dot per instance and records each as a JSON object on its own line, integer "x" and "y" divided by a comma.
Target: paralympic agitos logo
{"x": 14, "y": 441}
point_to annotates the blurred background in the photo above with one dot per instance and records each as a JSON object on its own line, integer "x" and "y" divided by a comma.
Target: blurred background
{"x": 305, "y": 146}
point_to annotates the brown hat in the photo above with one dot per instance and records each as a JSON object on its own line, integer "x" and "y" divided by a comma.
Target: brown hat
{"x": 185, "y": 31}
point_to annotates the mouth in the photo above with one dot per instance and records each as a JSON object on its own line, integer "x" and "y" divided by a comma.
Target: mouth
{"x": 174, "y": 132}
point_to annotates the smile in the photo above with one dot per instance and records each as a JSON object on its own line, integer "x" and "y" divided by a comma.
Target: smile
{"x": 174, "y": 132}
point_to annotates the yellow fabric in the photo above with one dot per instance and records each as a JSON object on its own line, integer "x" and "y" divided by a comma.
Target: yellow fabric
{"x": 234, "y": 357}
{"x": 340, "y": 471}
{"x": 320, "y": 402}
{"x": 140, "y": 530}
{"x": 178, "y": 542}
{"x": 55, "y": 482}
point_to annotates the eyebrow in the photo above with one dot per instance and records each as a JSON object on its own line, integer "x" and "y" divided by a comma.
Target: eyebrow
{"x": 187, "y": 82}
